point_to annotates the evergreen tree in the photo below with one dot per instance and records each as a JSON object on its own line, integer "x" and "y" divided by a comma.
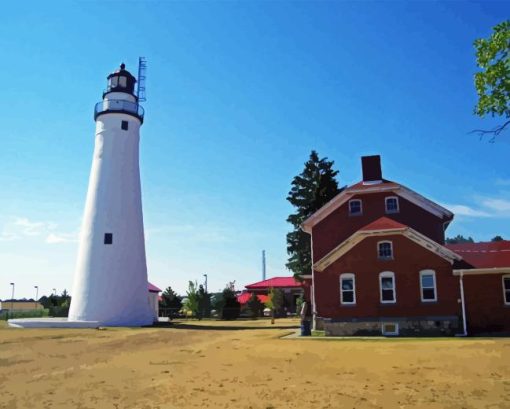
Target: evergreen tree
{"x": 255, "y": 306}
{"x": 231, "y": 307}
{"x": 497, "y": 238}
{"x": 204, "y": 303}
{"x": 311, "y": 190}
{"x": 170, "y": 299}
{"x": 459, "y": 238}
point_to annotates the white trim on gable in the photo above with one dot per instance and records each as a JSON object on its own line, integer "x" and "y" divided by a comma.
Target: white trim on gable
{"x": 398, "y": 189}
{"x": 360, "y": 235}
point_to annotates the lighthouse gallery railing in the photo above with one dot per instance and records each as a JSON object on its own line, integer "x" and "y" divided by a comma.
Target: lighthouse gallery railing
{"x": 120, "y": 106}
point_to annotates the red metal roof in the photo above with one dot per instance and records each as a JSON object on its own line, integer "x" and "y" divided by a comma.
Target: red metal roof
{"x": 244, "y": 297}
{"x": 152, "y": 288}
{"x": 384, "y": 223}
{"x": 484, "y": 255}
{"x": 275, "y": 282}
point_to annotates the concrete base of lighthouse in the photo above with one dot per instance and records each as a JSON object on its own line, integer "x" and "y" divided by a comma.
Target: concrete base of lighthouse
{"x": 66, "y": 323}
{"x": 51, "y": 323}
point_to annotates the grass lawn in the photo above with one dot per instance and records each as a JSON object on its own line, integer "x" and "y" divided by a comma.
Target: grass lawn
{"x": 245, "y": 364}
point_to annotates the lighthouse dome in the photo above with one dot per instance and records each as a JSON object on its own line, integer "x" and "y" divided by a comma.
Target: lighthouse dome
{"x": 121, "y": 81}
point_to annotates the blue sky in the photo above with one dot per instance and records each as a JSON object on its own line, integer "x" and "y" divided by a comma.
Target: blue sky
{"x": 238, "y": 95}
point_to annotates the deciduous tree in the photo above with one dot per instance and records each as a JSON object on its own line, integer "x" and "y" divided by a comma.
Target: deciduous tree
{"x": 492, "y": 82}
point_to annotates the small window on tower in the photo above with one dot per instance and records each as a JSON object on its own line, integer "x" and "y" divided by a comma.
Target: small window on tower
{"x": 123, "y": 82}
{"x": 108, "y": 238}
{"x": 124, "y": 125}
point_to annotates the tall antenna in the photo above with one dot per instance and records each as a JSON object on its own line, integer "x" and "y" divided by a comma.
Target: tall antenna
{"x": 142, "y": 73}
{"x": 263, "y": 265}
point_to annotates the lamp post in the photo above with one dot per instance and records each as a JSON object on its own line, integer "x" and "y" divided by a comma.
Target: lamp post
{"x": 36, "y": 294}
{"x": 205, "y": 275}
{"x": 12, "y": 298}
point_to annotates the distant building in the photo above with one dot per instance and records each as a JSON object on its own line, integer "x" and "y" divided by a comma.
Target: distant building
{"x": 20, "y": 305}
{"x": 381, "y": 266}
{"x": 154, "y": 299}
{"x": 291, "y": 288}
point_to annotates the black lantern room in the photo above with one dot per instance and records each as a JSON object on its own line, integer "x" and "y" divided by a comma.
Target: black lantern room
{"x": 121, "y": 81}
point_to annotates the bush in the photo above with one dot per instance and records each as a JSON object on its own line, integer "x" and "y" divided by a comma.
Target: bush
{"x": 6, "y": 315}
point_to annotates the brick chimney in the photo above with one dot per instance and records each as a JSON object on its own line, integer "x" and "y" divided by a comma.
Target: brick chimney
{"x": 371, "y": 166}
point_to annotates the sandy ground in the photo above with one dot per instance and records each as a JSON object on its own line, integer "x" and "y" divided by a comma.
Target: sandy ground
{"x": 246, "y": 365}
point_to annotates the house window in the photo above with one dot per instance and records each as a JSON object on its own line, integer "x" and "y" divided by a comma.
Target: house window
{"x": 355, "y": 207}
{"x": 428, "y": 285}
{"x": 385, "y": 250}
{"x": 506, "y": 289}
{"x": 387, "y": 284}
{"x": 347, "y": 289}
{"x": 124, "y": 125}
{"x": 391, "y": 204}
{"x": 108, "y": 238}
{"x": 389, "y": 328}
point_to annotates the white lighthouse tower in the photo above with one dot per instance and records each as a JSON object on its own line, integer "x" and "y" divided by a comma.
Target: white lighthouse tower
{"x": 110, "y": 283}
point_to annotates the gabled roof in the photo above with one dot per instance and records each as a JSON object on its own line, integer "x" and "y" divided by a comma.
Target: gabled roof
{"x": 152, "y": 288}
{"x": 384, "y": 223}
{"x": 380, "y": 228}
{"x": 484, "y": 255}
{"x": 275, "y": 282}
{"x": 375, "y": 187}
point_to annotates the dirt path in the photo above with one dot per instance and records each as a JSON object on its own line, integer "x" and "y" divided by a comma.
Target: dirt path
{"x": 215, "y": 367}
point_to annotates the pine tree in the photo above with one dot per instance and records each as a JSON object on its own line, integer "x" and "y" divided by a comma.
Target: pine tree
{"x": 311, "y": 190}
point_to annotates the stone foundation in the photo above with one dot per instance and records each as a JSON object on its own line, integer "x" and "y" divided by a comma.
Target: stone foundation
{"x": 432, "y": 326}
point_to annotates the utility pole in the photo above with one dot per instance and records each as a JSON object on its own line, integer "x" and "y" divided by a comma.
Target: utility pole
{"x": 205, "y": 275}
{"x": 263, "y": 265}
{"x": 12, "y": 297}
{"x": 36, "y": 294}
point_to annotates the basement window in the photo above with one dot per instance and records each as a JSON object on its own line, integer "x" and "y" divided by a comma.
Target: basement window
{"x": 124, "y": 125}
{"x": 108, "y": 238}
{"x": 389, "y": 328}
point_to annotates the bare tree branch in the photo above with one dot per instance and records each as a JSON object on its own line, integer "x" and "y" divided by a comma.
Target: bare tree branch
{"x": 493, "y": 132}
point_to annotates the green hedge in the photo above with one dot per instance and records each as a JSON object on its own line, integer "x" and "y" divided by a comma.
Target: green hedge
{"x": 5, "y": 315}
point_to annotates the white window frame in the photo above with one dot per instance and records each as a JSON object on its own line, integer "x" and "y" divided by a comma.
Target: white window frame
{"x": 391, "y": 248}
{"x": 504, "y": 290}
{"x": 348, "y": 276}
{"x": 428, "y": 272}
{"x": 382, "y": 275}
{"x": 360, "y": 207}
{"x": 386, "y": 205}
{"x": 387, "y": 332}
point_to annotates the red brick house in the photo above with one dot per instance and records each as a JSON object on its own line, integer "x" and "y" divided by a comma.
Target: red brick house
{"x": 380, "y": 266}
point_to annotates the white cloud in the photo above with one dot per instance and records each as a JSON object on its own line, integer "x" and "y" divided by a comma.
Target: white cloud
{"x": 498, "y": 205}
{"x": 22, "y": 227}
{"x": 494, "y": 207}
{"x": 463, "y": 210}
{"x": 57, "y": 238}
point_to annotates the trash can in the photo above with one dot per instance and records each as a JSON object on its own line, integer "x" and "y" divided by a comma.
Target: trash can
{"x": 305, "y": 328}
